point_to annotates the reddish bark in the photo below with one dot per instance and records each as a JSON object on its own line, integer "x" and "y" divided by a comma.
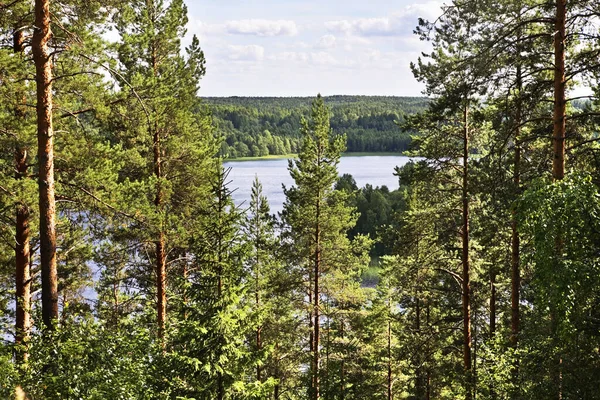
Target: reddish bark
{"x": 45, "y": 135}
{"x": 22, "y": 266}
{"x": 22, "y": 234}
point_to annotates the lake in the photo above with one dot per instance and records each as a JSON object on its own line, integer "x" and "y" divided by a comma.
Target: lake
{"x": 273, "y": 173}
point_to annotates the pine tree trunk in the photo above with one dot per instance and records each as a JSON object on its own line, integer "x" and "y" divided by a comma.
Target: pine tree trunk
{"x": 259, "y": 328}
{"x": 559, "y": 120}
{"x": 45, "y": 135}
{"x": 316, "y": 291}
{"x": 428, "y": 369}
{"x": 161, "y": 284}
{"x": 257, "y": 246}
{"x": 161, "y": 270}
{"x": 466, "y": 275}
{"x": 316, "y": 337}
{"x": 492, "y": 304}
{"x": 389, "y": 353}
{"x": 22, "y": 270}
{"x": 492, "y": 320}
{"x": 419, "y": 377}
{"x": 559, "y": 137}
{"x": 342, "y": 367}
{"x": 22, "y": 236}
{"x": 515, "y": 262}
{"x": 220, "y": 250}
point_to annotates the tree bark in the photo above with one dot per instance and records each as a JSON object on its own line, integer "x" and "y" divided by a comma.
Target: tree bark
{"x": 160, "y": 245}
{"x": 342, "y": 366}
{"x": 515, "y": 279}
{"x": 161, "y": 269}
{"x": 22, "y": 235}
{"x": 389, "y": 351}
{"x": 45, "y": 135}
{"x": 257, "y": 295}
{"x": 316, "y": 291}
{"x": 316, "y": 337}
{"x": 559, "y": 136}
{"x": 428, "y": 369}
{"x": 559, "y": 118}
{"x": 515, "y": 247}
{"x": 492, "y": 304}
{"x": 22, "y": 268}
{"x": 220, "y": 250}
{"x": 466, "y": 273}
{"x": 419, "y": 372}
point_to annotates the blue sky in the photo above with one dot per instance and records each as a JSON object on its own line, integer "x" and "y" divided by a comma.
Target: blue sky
{"x": 302, "y": 47}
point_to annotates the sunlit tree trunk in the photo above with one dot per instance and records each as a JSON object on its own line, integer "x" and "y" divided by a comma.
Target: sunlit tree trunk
{"x": 45, "y": 136}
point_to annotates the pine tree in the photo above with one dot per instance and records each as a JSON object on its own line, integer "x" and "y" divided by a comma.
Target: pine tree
{"x": 318, "y": 218}
{"x": 167, "y": 147}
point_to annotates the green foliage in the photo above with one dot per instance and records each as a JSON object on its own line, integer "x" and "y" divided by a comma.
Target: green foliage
{"x": 136, "y": 165}
{"x": 260, "y": 126}
{"x": 90, "y": 360}
{"x": 560, "y": 220}
{"x": 317, "y": 219}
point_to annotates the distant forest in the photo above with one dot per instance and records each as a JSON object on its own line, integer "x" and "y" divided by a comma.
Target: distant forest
{"x": 262, "y": 126}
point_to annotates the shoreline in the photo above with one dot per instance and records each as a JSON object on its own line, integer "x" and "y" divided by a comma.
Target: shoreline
{"x": 287, "y": 156}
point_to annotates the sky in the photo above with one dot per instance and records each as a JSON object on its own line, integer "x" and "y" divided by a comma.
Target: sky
{"x": 305, "y": 47}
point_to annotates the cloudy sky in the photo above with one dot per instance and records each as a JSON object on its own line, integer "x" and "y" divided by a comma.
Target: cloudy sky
{"x": 301, "y": 47}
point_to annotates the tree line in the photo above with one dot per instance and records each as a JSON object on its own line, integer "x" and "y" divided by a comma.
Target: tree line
{"x": 127, "y": 272}
{"x": 262, "y": 126}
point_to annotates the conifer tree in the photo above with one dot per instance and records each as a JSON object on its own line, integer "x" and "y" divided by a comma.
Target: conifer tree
{"x": 168, "y": 148}
{"x": 263, "y": 270}
{"x": 318, "y": 219}
{"x": 211, "y": 339}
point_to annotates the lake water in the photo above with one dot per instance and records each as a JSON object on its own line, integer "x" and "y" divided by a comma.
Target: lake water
{"x": 273, "y": 173}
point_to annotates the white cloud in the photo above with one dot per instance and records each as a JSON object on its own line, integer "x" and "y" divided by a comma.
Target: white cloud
{"x": 290, "y": 56}
{"x": 261, "y": 27}
{"x": 326, "y": 42}
{"x": 398, "y": 24}
{"x": 323, "y": 58}
{"x": 246, "y": 53}
{"x": 315, "y": 58}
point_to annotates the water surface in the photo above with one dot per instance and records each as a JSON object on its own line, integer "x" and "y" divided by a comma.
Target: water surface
{"x": 273, "y": 173}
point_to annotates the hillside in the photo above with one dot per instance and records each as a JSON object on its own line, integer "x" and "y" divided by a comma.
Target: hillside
{"x": 261, "y": 126}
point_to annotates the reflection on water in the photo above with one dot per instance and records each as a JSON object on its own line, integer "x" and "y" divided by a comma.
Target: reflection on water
{"x": 375, "y": 170}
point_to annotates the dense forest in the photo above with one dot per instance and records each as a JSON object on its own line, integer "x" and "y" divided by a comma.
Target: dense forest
{"x": 262, "y": 126}
{"x": 127, "y": 271}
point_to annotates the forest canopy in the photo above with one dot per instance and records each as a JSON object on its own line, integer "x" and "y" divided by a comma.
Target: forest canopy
{"x": 127, "y": 271}
{"x": 262, "y": 126}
